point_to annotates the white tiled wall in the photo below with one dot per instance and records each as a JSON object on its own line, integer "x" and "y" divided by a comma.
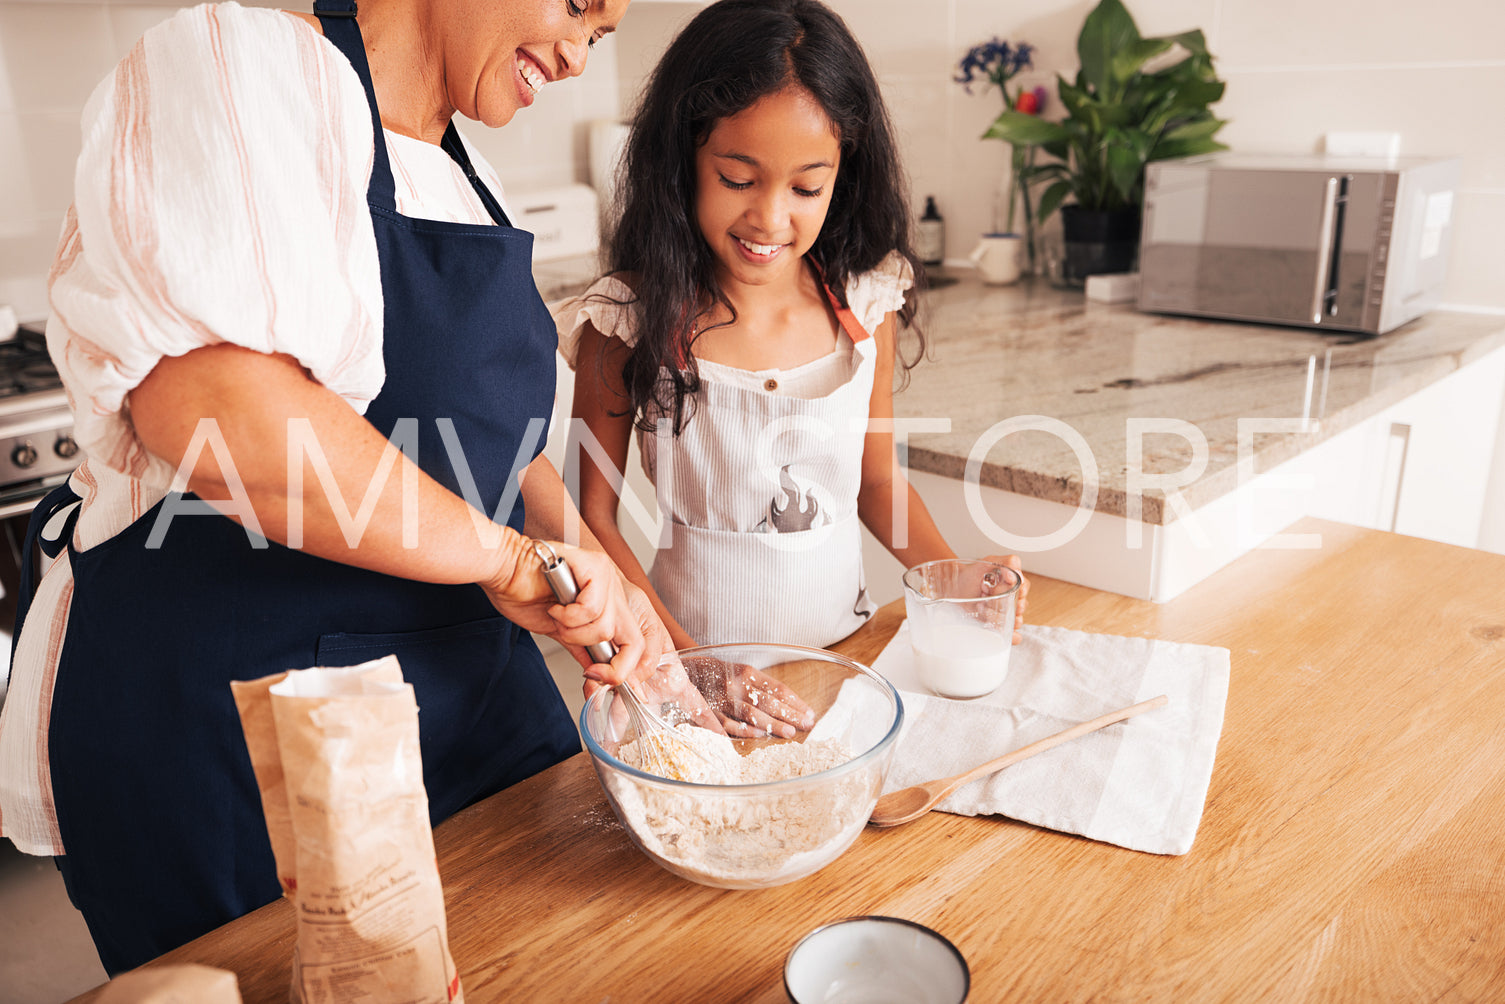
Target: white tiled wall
{"x": 1296, "y": 69}
{"x": 54, "y": 52}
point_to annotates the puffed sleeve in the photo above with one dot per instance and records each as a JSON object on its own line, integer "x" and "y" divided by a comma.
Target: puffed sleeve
{"x": 607, "y": 305}
{"x": 875, "y": 294}
{"x": 220, "y": 196}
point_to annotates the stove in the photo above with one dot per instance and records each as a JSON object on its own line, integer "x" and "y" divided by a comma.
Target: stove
{"x": 37, "y": 450}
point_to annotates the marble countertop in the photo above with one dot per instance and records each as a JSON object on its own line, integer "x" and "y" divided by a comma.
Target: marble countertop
{"x": 1030, "y": 349}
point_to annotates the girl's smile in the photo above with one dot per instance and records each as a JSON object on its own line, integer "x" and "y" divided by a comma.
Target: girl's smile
{"x": 764, "y": 178}
{"x": 760, "y": 253}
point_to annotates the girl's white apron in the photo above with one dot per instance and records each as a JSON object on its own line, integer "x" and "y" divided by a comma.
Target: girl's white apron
{"x": 759, "y": 495}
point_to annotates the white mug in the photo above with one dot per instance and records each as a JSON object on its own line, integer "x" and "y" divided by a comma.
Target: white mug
{"x": 997, "y": 258}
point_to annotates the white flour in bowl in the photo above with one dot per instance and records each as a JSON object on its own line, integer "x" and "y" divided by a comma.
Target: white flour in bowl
{"x": 712, "y": 759}
{"x": 741, "y": 838}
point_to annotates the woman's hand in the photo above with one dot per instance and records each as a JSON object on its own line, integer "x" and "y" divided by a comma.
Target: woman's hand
{"x": 602, "y": 610}
{"x": 655, "y": 634}
{"x": 660, "y": 682}
{"x": 1021, "y": 599}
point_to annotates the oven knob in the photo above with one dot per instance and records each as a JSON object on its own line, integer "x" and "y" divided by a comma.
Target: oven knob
{"x": 24, "y": 455}
{"x": 65, "y": 447}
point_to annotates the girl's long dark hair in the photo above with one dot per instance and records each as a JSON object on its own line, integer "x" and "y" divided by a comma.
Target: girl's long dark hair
{"x": 730, "y": 55}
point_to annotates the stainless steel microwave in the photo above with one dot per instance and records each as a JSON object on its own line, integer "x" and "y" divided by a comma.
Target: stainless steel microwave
{"x": 1347, "y": 244}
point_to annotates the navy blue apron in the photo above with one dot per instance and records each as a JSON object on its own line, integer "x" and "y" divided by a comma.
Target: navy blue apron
{"x": 157, "y": 805}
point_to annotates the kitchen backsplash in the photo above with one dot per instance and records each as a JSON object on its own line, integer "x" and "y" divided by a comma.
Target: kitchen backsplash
{"x": 1296, "y": 69}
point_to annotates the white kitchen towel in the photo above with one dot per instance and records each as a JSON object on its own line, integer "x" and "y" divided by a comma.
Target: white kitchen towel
{"x": 1139, "y": 784}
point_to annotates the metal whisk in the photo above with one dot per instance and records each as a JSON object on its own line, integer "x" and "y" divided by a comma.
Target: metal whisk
{"x": 661, "y": 749}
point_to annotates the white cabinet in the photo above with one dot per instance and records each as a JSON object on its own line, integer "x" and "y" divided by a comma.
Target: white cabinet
{"x": 1448, "y": 432}
{"x": 1422, "y": 467}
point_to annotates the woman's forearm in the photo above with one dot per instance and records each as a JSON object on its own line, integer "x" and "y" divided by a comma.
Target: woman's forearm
{"x": 315, "y": 474}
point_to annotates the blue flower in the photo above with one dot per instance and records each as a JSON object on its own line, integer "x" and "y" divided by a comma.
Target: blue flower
{"x": 994, "y": 61}
{"x": 1022, "y": 56}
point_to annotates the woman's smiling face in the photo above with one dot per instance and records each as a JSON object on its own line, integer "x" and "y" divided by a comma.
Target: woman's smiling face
{"x": 763, "y": 184}
{"x": 501, "y": 53}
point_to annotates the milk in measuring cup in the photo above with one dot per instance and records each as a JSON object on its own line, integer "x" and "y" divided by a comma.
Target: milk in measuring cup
{"x": 962, "y": 659}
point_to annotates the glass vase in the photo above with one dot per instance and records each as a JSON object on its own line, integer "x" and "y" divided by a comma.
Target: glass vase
{"x": 1021, "y": 203}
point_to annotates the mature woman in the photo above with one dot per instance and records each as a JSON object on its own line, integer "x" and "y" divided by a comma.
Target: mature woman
{"x": 286, "y": 280}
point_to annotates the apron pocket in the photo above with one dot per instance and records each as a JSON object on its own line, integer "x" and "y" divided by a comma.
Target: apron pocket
{"x": 346, "y": 649}
{"x": 802, "y": 588}
{"x": 456, "y": 671}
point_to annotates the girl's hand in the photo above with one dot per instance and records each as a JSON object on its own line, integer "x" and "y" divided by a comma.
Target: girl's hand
{"x": 602, "y": 610}
{"x": 1021, "y": 599}
{"x": 749, "y": 704}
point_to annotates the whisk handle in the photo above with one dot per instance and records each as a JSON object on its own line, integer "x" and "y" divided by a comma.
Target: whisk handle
{"x": 560, "y": 579}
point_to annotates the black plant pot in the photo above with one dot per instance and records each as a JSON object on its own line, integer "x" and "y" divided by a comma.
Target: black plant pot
{"x": 1098, "y": 242}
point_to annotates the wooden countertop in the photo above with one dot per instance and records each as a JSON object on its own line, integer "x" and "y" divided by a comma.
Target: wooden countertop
{"x": 1002, "y": 351}
{"x": 1352, "y": 846}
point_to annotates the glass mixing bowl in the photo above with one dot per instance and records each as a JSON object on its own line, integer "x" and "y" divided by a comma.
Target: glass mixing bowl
{"x": 767, "y": 833}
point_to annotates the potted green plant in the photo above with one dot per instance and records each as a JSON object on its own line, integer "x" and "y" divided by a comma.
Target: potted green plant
{"x": 1121, "y": 114}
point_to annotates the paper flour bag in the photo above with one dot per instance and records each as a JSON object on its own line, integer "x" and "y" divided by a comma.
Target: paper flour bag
{"x": 254, "y": 703}
{"x": 336, "y": 756}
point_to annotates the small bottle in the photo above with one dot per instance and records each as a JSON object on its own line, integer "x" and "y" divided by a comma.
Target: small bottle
{"x": 932, "y": 234}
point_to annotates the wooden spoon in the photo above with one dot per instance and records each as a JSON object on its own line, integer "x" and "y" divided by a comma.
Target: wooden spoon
{"x": 911, "y": 803}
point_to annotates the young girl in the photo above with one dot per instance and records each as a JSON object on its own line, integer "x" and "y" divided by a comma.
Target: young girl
{"x": 747, "y": 327}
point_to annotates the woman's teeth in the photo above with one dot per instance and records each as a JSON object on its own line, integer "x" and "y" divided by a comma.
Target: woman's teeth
{"x": 759, "y": 249}
{"x": 530, "y": 75}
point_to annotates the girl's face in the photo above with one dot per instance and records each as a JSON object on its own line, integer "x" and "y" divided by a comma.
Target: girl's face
{"x": 499, "y": 55}
{"x": 763, "y": 184}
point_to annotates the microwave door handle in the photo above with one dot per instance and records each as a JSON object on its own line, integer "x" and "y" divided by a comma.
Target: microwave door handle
{"x": 1335, "y": 252}
{"x": 1325, "y": 237}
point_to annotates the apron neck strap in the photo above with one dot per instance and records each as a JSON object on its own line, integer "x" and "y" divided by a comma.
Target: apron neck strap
{"x": 338, "y": 20}
{"x": 456, "y": 150}
{"x": 337, "y": 17}
{"x": 848, "y": 320}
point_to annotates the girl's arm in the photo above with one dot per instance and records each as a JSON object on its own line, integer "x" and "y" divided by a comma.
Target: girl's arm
{"x": 602, "y": 403}
{"x": 746, "y": 702}
{"x": 887, "y": 502}
{"x": 251, "y": 398}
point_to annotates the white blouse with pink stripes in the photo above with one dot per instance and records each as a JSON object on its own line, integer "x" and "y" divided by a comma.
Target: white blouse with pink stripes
{"x": 221, "y": 197}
